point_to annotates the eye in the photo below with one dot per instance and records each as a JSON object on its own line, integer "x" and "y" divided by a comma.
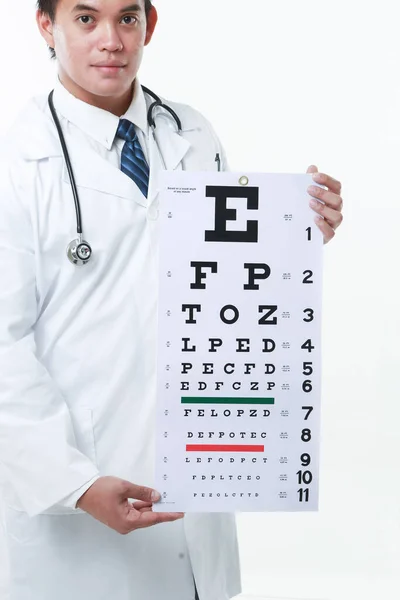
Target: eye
{"x": 129, "y": 17}
{"x": 85, "y": 17}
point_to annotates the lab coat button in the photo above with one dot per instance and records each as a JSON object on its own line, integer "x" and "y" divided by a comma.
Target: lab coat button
{"x": 153, "y": 214}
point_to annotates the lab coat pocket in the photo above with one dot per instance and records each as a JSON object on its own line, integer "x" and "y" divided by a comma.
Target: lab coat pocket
{"x": 82, "y": 422}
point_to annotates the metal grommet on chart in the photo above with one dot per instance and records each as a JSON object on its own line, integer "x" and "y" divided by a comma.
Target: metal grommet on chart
{"x": 244, "y": 180}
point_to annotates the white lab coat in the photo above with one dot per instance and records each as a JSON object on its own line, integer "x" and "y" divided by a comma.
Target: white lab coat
{"x": 77, "y": 369}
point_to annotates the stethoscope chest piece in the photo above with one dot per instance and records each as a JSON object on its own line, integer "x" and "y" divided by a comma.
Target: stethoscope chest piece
{"x": 79, "y": 252}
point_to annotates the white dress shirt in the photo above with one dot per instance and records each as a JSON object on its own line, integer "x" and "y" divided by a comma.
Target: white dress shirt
{"x": 99, "y": 127}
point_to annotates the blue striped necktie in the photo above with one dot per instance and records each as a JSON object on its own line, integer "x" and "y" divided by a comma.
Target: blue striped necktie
{"x": 133, "y": 161}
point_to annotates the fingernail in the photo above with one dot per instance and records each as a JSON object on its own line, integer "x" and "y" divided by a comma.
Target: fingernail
{"x": 312, "y": 189}
{"x": 316, "y": 176}
{"x": 155, "y": 496}
{"x": 314, "y": 203}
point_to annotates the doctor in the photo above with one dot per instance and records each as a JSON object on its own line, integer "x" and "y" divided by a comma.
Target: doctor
{"x": 78, "y": 343}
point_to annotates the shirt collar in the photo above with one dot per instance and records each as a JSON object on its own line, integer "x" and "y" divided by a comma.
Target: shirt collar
{"x": 97, "y": 123}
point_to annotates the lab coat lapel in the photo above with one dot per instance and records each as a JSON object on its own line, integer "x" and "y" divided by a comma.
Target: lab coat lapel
{"x": 94, "y": 172}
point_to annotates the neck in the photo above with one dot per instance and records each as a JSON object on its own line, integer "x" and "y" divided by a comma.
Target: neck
{"x": 115, "y": 105}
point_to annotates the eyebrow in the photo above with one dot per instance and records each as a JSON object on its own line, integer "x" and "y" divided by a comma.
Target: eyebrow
{"x": 130, "y": 8}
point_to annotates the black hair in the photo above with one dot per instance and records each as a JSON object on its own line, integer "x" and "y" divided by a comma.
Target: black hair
{"x": 49, "y": 7}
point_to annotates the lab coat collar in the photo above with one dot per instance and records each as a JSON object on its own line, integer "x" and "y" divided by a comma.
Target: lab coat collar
{"x": 93, "y": 172}
{"x": 97, "y": 123}
{"x": 34, "y": 137}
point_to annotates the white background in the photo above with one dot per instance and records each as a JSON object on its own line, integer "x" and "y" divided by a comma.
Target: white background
{"x": 288, "y": 83}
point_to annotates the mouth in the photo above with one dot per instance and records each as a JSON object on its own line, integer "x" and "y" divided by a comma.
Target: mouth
{"x": 109, "y": 67}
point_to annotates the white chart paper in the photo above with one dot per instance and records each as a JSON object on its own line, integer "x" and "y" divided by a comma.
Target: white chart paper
{"x": 239, "y": 364}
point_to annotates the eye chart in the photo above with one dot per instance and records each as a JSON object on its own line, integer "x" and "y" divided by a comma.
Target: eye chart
{"x": 240, "y": 275}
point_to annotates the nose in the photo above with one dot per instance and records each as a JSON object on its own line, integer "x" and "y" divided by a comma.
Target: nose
{"x": 109, "y": 39}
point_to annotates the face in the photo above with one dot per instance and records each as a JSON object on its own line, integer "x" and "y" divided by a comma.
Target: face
{"x": 99, "y": 46}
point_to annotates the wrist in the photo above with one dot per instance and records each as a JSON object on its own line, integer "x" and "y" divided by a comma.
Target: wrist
{"x": 82, "y": 499}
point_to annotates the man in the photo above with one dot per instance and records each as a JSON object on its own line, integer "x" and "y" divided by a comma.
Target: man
{"x": 78, "y": 343}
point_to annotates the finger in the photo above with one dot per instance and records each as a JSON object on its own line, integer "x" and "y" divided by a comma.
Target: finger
{"x": 161, "y": 517}
{"x": 333, "y": 184}
{"x": 141, "y": 505}
{"x": 312, "y": 169}
{"x": 138, "y": 492}
{"x": 333, "y": 217}
{"x": 150, "y": 518}
{"x": 329, "y": 198}
{"x": 138, "y": 507}
{"x": 326, "y": 229}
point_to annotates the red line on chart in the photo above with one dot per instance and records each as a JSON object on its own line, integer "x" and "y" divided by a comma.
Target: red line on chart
{"x": 223, "y": 448}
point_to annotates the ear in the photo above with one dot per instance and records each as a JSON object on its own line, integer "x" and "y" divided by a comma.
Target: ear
{"x": 45, "y": 27}
{"x": 152, "y": 19}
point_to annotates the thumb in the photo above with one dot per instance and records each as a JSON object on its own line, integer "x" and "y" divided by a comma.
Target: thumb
{"x": 312, "y": 169}
{"x": 140, "y": 492}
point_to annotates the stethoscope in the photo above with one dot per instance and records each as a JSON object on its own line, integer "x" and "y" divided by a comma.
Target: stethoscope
{"x": 79, "y": 252}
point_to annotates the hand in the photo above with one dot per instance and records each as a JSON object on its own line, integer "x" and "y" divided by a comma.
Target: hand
{"x": 331, "y": 210}
{"x": 107, "y": 501}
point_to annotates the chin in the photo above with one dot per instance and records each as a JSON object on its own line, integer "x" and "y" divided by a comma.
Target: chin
{"x": 107, "y": 87}
{"x": 112, "y": 85}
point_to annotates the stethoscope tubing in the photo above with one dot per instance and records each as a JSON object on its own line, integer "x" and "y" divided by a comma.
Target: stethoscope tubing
{"x": 151, "y": 121}
{"x": 160, "y": 103}
{"x": 79, "y": 251}
{"x": 68, "y": 164}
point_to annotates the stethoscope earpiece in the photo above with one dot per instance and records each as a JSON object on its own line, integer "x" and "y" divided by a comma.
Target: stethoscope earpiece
{"x": 79, "y": 252}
